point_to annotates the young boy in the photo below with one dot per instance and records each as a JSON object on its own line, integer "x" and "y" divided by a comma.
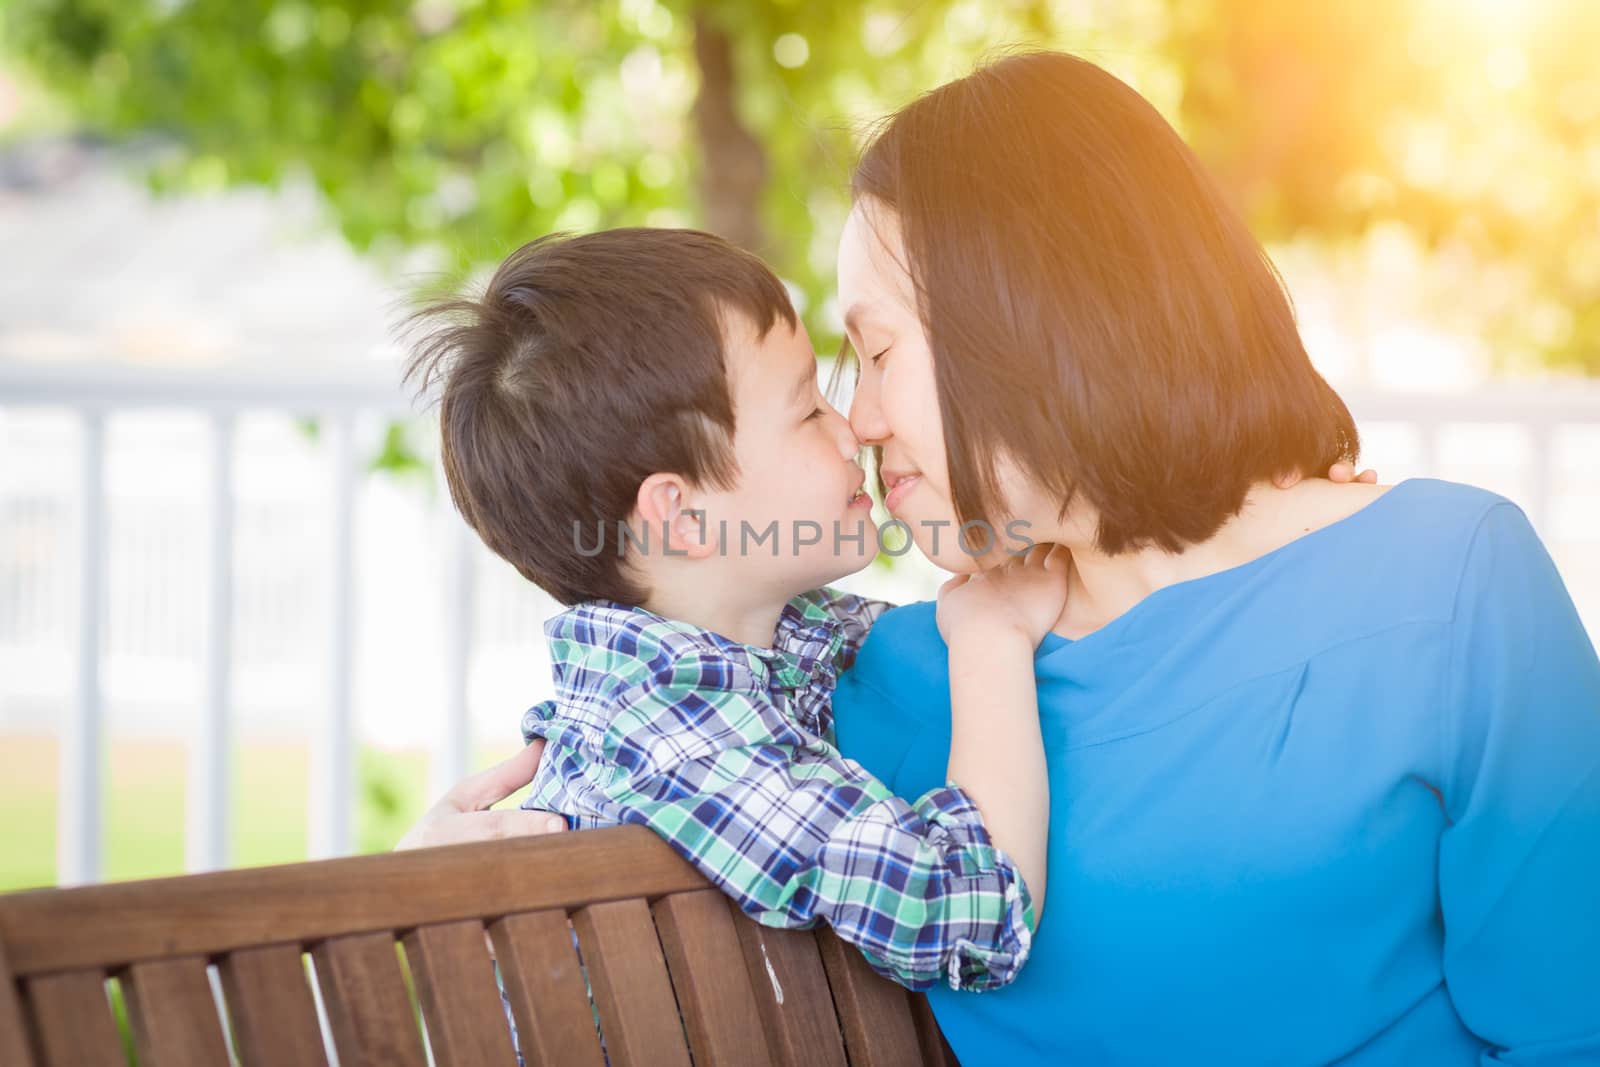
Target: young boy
{"x": 632, "y": 419}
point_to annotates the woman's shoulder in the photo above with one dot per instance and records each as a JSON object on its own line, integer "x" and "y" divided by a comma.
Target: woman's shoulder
{"x": 1408, "y": 546}
{"x": 1436, "y": 528}
{"x": 1401, "y": 562}
{"x": 1423, "y": 510}
{"x": 1440, "y": 504}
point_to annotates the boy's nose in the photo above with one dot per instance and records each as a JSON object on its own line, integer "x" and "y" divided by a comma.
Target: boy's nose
{"x": 845, "y": 436}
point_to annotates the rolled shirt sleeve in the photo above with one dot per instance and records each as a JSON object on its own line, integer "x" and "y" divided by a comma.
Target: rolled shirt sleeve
{"x": 795, "y": 833}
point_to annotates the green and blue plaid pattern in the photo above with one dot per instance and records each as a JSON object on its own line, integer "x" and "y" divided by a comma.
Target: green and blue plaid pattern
{"x": 726, "y": 750}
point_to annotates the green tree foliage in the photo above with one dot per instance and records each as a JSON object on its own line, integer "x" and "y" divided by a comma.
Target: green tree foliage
{"x": 471, "y": 125}
{"x": 1473, "y": 123}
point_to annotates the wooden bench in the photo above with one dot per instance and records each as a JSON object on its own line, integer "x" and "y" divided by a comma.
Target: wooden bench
{"x": 676, "y": 970}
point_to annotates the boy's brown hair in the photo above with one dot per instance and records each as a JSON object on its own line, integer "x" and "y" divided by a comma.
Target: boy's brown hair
{"x": 588, "y": 364}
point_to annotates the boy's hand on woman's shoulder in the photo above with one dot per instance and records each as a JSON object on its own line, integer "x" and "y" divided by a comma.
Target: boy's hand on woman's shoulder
{"x": 1023, "y": 595}
{"x": 1341, "y": 473}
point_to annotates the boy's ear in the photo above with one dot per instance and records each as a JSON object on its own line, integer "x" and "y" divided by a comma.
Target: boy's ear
{"x": 666, "y": 505}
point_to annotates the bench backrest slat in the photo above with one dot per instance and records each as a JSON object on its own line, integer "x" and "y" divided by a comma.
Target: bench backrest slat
{"x": 270, "y": 1005}
{"x": 72, "y": 1017}
{"x": 369, "y": 1008}
{"x": 878, "y": 1030}
{"x": 455, "y": 985}
{"x": 792, "y": 994}
{"x": 14, "y": 1046}
{"x": 936, "y": 1051}
{"x": 632, "y": 990}
{"x": 173, "y": 1013}
{"x": 544, "y": 982}
{"x": 708, "y": 972}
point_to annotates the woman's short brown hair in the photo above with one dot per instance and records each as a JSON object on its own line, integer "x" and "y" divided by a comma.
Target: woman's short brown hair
{"x": 1096, "y": 309}
{"x": 588, "y": 364}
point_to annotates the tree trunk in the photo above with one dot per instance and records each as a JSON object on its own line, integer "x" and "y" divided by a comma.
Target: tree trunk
{"x": 733, "y": 163}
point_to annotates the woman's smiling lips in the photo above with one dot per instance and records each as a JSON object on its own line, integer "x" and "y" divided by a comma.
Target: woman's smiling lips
{"x": 898, "y": 483}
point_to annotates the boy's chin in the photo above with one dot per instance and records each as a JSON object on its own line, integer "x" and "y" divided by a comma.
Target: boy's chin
{"x": 787, "y": 564}
{"x": 844, "y": 566}
{"x": 827, "y": 567}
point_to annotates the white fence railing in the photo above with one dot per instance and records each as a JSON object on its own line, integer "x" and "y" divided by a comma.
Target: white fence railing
{"x": 1537, "y": 411}
{"x": 337, "y": 398}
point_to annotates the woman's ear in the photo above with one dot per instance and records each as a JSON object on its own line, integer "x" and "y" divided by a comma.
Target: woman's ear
{"x": 675, "y": 526}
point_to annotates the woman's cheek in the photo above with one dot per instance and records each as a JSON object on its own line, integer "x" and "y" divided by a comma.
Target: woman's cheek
{"x": 933, "y": 528}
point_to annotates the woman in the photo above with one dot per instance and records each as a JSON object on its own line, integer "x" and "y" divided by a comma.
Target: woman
{"x": 1324, "y": 760}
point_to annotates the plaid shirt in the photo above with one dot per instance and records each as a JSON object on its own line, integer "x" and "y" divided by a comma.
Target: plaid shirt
{"x": 726, "y": 750}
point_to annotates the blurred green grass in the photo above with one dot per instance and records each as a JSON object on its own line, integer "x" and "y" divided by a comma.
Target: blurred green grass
{"x": 144, "y": 805}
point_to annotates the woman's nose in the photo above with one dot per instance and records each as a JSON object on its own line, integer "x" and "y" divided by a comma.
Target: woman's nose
{"x": 866, "y": 415}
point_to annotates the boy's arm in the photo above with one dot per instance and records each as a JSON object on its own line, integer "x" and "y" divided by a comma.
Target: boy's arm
{"x": 992, "y": 621}
{"x": 795, "y": 833}
{"x": 996, "y": 751}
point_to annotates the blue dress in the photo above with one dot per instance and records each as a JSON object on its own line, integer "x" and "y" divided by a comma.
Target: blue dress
{"x": 1340, "y": 804}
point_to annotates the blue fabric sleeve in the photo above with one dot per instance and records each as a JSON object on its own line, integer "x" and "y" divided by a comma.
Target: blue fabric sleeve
{"x": 1519, "y": 864}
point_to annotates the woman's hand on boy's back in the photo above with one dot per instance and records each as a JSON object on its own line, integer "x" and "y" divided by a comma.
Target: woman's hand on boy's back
{"x": 463, "y": 814}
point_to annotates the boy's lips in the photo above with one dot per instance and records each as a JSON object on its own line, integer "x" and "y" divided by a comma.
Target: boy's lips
{"x": 858, "y": 497}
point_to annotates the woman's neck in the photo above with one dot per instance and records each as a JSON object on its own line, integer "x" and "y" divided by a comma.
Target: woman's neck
{"x": 1104, "y": 587}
